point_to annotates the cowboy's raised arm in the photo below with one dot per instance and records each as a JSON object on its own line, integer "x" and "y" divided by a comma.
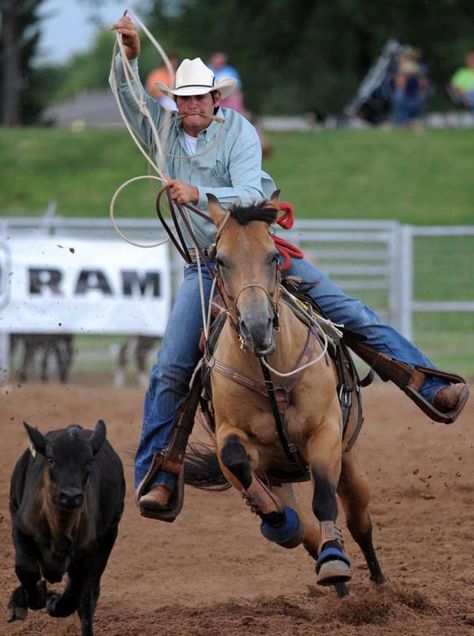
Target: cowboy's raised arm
{"x": 130, "y": 37}
{"x": 132, "y": 93}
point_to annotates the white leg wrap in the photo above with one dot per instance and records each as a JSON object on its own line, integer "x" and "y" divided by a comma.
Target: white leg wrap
{"x": 260, "y": 498}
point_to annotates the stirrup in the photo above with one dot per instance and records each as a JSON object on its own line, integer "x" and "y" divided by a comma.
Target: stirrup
{"x": 427, "y": 407}
{"x": 175, "y": 505}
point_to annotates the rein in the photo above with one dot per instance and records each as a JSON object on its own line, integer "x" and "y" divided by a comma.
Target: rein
{"x": 179, "y": 211}
{"x": 291, "y": 450}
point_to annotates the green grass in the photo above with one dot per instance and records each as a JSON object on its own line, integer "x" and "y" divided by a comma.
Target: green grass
{"x": 368, "y": 174}
{"x": 421, "y": 179}
{"x": 374, "y": 174}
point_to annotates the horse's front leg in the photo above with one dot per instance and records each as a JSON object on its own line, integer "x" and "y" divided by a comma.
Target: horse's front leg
{"x": 238, "y": 458}
{"x": 324, "y": 459}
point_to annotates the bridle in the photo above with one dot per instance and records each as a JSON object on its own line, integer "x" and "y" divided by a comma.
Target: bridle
{"x": 230, "y": 301}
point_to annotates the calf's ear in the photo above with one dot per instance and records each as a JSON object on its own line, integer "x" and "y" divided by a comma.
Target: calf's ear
{"x": 98, "y": 437}
{"x": 36, "y": 440}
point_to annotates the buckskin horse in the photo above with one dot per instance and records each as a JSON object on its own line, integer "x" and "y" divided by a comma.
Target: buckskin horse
{"x": 289, "y": 426}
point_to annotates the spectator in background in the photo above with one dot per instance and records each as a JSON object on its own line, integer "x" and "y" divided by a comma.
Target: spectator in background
{"x": 462, "y": 83}
{"x": 411, "y": 88}
{"x": 161, "y": 74}
{"x": 218, "y": 64}
{"x": 222, "y": 70}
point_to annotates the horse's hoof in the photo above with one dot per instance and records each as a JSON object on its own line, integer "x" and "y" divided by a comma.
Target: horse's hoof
{"x": 383, "y": 587}
{"x": 333, "y": 567}
{"x": 342, "y": 590}
{"x": 334, "y": 572}
{"x": 288, "y": 535}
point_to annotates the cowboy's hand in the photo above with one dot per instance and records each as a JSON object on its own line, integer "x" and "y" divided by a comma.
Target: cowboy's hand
{"x": 130, "y": 37}
{"x": 182, "y": 192}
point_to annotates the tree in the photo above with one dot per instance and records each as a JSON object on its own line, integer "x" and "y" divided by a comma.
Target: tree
{"x": 19, "y": 38}
{"x": 312, "y": 54}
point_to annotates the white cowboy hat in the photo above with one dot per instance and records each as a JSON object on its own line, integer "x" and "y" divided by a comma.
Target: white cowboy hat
{"x": 193, "y": 77}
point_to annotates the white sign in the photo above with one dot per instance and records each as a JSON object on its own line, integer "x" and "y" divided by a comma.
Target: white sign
{"x": 67, "y": 285}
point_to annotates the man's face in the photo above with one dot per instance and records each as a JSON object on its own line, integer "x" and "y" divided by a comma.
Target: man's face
{"x": 197, "y": 111}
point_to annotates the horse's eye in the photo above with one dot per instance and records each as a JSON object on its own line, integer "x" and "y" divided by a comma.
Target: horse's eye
{"x": 275, "y": 257}
{"x": 221, "y": 262}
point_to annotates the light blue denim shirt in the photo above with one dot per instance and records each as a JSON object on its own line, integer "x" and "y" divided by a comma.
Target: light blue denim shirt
{"x": 228, "y": 157}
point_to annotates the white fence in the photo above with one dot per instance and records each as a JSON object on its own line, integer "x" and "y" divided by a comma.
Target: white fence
{"x": 371, "y": 260}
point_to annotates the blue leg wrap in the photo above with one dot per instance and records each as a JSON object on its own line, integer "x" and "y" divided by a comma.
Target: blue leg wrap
{"x": 331, "y": 554}
{"x": 285, "y": 533}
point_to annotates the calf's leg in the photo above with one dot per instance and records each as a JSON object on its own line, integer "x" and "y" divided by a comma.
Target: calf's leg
{"x": 31, "y": 593}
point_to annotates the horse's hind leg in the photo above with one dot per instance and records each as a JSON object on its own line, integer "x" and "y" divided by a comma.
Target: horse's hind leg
{"x": 354, "y": 493}
{"x": 324, "y": 458}
{"x": 238, "y": 458}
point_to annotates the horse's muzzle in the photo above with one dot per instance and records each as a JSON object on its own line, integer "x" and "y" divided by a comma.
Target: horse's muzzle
{"x": 258, "y": 336}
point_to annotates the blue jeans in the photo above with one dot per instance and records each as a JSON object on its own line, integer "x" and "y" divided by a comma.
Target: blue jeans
{"x": 407, "y": 109}
{"x": 179, "y": 353}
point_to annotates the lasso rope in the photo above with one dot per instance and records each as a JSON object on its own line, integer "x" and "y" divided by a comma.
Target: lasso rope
{"x": 159, "y": 167}
{"x": 304, "y": 366}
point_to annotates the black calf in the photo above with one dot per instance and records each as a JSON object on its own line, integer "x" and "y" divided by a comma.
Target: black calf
{"x": 66, "y": 500}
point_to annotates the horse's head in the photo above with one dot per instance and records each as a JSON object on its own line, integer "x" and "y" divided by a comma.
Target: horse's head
{"x": 248, "y": 270}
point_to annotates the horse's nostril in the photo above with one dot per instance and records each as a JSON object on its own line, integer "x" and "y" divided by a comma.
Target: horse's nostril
{"x": 244, "y": 330}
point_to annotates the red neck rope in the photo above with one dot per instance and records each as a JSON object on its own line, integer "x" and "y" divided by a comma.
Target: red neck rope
{"x": 286, "y": 249}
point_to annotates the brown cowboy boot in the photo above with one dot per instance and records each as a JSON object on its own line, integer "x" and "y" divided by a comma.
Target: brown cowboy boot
{"x": 448, "y": 397}
{"x": 157, "y": 498}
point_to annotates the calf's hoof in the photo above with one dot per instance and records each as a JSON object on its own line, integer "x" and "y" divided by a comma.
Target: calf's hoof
{"x": 16, "y": 614}
{"x": 51, "y": 603}
{"x": 18, "y": 605}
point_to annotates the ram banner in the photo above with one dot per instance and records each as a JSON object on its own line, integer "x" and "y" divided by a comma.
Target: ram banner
{"x": 67, "y": 285}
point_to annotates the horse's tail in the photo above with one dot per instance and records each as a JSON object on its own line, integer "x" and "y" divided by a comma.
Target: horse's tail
{"x": 202, "y": 470}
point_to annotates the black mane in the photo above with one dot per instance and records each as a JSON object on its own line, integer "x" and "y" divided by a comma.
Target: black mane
{"x": 261, "y": 211}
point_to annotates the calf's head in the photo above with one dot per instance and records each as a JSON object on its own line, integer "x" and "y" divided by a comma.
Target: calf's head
{"x": 68, "y": 455}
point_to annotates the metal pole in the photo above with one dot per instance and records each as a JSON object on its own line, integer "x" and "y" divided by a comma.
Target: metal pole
{"x": 5, "y": 267}
{"x": 4, "y": 357}
{"x": 406, "y": 282}
{"x": 394, "y": 317}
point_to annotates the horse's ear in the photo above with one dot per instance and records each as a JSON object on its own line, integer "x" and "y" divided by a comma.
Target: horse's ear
{"x": 217, "y": 213}
{"x": 275, "y": 199}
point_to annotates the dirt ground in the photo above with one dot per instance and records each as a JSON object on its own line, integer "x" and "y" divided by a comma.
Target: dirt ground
{"x": 211, "y": 573}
